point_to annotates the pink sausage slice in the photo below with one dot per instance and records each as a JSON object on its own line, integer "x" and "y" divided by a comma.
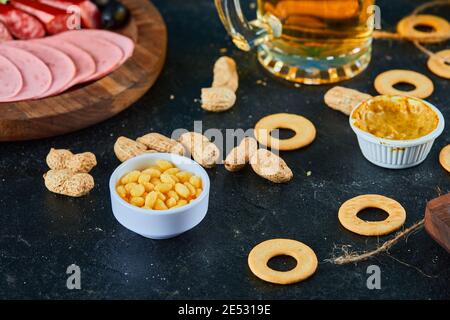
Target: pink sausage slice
{"x": 36, "y": 76}
{"x": 84, "y": 63}
{"x": 5, "y": 35}
{"x": 107, "y": 55}
{"x": 125, "y": 43}
{"x": 10, "y": 79}
{"x": 60, "y": 65}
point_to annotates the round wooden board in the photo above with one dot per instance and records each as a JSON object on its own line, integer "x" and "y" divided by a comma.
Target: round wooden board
{"x": 87, "y": 105}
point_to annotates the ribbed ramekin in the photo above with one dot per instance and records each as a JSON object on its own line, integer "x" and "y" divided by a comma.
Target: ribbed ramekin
{"x": 397, "y": 154}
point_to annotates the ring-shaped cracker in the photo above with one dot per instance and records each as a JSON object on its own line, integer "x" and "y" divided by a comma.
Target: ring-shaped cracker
{"x": 444, "y": 158}
{"x": 305, "y": 132}
{"x": 349, "y": 219}
{"x": 263, "y": 252}
{"x": 441, "y": 28}
{"x": 437, "y": 65}
{"x": 384, "y": 83}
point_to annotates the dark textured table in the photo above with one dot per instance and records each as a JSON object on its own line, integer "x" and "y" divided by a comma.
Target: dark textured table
{"x": 41, "y": 233}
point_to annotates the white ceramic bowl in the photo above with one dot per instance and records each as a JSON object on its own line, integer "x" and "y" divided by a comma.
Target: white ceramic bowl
{"x": 157, "y": 224}
{"x": 397, "y": 154}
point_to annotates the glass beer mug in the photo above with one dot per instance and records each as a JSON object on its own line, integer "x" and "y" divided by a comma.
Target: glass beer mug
{"x": 307, "y": 41}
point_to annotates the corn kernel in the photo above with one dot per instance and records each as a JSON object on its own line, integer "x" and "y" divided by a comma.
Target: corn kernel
{"x": 155, "y": 181}
{"x": 182, "y": 190}
{"x": 150, "y": 200}
{"x": 148, "y": 186}
{"x": 159, "y": 187}
{"x": 137, "y": 190}
{"x": 161, "y": 196}
{"x": 129, "y": 186}
{"x": 173, "y": 194}
{"x": 152, "y": 172}
{"x": 137, "y": 201}
{"x": 164, "y": 164}
{"x": 191, "y": 188}
{"x": 171, "y": 202}
{"x": 196, "y": 181}
{"x": 160, "y": 205}
{"x": 121, "y": 191}
{"x": 163, "y": 187}
{"x": 131, "y": 177}
{"x": 184, "y": 176}
{"x": 172, "y": 171}
{"x": 166, "y": 178}
{"x": 144, "y": 178}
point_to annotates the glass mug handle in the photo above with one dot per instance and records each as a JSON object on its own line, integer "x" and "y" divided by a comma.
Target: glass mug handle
{"x": 247, "y": 34}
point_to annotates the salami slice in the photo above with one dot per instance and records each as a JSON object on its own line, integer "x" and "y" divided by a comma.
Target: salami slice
{"x": 10, "y": 79}
{"x": 35, "y": 73}
{"x": 125, "y": 43}
{"x": 84, "y": 63}
{"x": 106, "y": 54}
{"x": 89, "y": 13}
{"x": 61, "y": 66}
{"x": 21, "y": 24}
{"x": 54, "y": 20}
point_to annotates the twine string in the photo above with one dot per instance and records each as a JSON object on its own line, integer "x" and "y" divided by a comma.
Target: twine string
{"x": 354, "y": 257}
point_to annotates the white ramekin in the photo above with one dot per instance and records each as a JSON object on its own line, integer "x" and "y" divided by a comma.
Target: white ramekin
{"x": 397, "y": 154}
{"x": 157, "y": 224}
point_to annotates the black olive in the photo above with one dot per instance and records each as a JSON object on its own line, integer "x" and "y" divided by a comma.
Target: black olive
{"x": 114, "y": 15}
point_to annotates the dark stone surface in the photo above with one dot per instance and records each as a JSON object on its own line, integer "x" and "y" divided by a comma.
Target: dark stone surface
{"x": 41, "y": 233}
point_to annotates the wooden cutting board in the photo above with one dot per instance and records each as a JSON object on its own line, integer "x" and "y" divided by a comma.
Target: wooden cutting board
{"x": 437, "y": 220}
{"x": 91, "y": 103}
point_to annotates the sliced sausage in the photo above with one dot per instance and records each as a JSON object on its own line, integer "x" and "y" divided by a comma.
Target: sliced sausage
{"x": 4, "y": 33}
{"x": 125, "y": 43}
{"x": 106, "y": 54}
{"x": 10, "y": 79}
{"x": 21, "y": 24}
{"x": 61, "y": 66}
{"x": 89, "y": 13}
{"x": 84, "y": 63}
{"x": 36, "y": 75}
{"x": 54, "y": 20}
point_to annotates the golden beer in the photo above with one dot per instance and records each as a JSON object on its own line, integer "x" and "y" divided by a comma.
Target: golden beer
{"x": 309, "y": 41}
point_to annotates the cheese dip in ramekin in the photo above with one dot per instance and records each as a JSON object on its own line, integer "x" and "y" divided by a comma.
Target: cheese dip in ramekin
{"x": 396, "y": 132}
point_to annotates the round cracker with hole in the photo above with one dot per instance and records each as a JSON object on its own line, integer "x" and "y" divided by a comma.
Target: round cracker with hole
{"x": 263, "y": 252}
{"x": 385, "y": 82}
{"x": 444, "y": 158}
{"x": 305, "y": 131}
{"x": 348, "y": 215}
{"x": 408, "y": 28}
